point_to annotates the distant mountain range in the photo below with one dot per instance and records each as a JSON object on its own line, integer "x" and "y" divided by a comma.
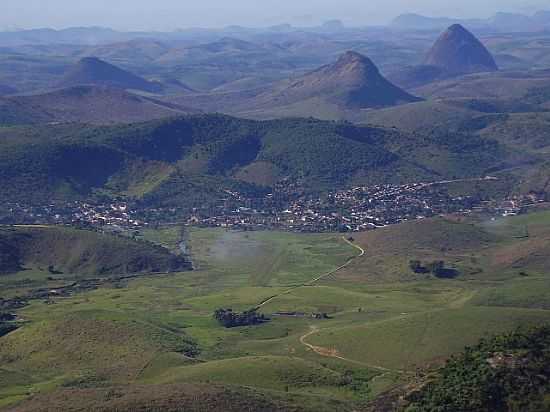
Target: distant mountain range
{"x": 352, "y": 83}
{"x": 92, "y": 36}
{"x": 506, "y": 22}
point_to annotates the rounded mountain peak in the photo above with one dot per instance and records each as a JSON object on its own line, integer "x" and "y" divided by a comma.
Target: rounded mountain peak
{"x": 458, "y": 51}
{"x": 354, "y": 62}
{"x": 351, "y": 57}
{"x": 94, "y": 71}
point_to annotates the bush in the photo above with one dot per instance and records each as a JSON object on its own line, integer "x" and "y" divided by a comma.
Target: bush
{"x": 230, "y": 319}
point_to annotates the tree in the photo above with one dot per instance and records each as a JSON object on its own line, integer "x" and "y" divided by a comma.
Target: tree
{"x": 416, "y": 266}
{"x": 230, "y": 319}
{"x": 436, "y": 267}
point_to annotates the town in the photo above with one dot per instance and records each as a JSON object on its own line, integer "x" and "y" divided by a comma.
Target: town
{"x": 356, "y": 209}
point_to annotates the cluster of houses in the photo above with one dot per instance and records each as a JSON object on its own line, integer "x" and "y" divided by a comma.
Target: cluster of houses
{"x": 356, "y": 209}
{"x": 115, "y": 215}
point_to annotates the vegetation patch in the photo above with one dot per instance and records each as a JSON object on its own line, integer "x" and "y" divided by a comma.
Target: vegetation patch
{"x": 504, "y": 373}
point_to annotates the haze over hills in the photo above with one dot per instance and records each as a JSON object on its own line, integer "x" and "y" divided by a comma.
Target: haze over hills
{"x": 506, "y": 22}
{"x": 267, "y": 219}
{"x": 93, "y": 71}
{"x": 86, "y": 104}
{"x": 456, "y": 52}
{"x": 7, "y": 90}
{"x": 351, "y": 84}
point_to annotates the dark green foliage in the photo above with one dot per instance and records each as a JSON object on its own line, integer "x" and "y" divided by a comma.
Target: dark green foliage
{"x": 7, "y": 323}
{"x": 194, "y": 159}
{"x": 188, "y": 347}
{"x": 437, "y": 268}
{"x": 504, "y": 373}
{"x": 230, "y": 319}
{"x": 416, "y": 267}
{"x": 66, "y": 250}
{"x": 6, "y": 328}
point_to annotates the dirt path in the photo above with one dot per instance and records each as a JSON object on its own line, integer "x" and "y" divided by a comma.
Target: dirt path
{"x": 333, "y": 353}
{"x": 320, "y": 277}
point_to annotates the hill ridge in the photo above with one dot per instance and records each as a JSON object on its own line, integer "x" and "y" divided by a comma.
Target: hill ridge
{"x": 94, "y": 71}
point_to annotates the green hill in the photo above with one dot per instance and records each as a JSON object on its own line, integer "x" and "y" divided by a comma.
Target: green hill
{"x": 503, "y": 373}
{"x": 67, "y": 250}
{"x": 85, "y": 104}
{"x": 172, "y": 398}
{"x": 189, "y": 160}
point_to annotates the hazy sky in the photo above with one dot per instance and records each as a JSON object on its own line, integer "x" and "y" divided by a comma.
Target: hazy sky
{"x": 172, "y": 14}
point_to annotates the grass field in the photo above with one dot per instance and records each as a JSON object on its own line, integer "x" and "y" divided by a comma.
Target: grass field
{"x": 383, "y": 320}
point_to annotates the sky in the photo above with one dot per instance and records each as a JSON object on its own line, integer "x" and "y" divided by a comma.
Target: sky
{"x": 175, "y": 14}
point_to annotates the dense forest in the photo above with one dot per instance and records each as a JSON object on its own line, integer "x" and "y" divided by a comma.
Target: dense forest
{"x": 187, "y": 161}
{"x": 504, "y": 373}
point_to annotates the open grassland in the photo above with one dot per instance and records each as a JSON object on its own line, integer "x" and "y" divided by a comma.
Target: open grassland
{"x": 384, "y": 320}
{"x": 175, "y": 398}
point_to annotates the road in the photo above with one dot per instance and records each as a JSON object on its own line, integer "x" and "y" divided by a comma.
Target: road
{"x": 320, "y": 277}
{"x": 333, "y": 353}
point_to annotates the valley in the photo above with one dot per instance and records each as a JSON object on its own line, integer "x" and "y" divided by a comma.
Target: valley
{"x": 167, "y": 318}
{"x": 283, "y": 218}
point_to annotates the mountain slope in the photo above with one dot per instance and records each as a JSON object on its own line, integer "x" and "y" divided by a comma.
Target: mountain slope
{"x": 189, "y": 161}
{"x": 332, "y": 92}
{"x": 83, "y": 252}
{"x": 458, "y": 51}
{"x": 4, "y": 89}
{"x": 353, "y": 82}
{"x": 14, "y": 111}
{"x": 93, "y": 71}
{"x": 86, "y": 104}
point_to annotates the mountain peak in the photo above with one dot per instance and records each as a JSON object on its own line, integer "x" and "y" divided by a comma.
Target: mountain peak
{"x": 94, "y": 71}
{"x": 352, "y": 81}
{"x": 458, "y": 28}
{"x": 353, "y": 56}
{"x": 458, "y": 51}
{"x": 352, "y": 61}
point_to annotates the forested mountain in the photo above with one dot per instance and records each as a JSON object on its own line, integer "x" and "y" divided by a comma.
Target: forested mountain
{"x": 196, "y": 157}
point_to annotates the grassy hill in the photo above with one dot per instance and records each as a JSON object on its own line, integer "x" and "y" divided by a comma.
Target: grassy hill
{"x": 83, "y": 252}
{"x": 498, "y": 85}
{"x": 85, "y": 104}
{"x": 94, "y": 71}
{"x": 192, "y": 159}
{"x": 152, "y": 340}
{"x": 172, "y": 398}
{"x": 477, "y": 249}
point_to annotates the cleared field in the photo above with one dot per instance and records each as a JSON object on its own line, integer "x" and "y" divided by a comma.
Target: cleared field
{"x": 407, "y": 342}
{"x": 383, "y": 320}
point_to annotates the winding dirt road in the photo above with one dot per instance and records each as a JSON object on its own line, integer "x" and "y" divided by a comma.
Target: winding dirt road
{"x": 320, "y": 277}
{"x": 333, "y": 353}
